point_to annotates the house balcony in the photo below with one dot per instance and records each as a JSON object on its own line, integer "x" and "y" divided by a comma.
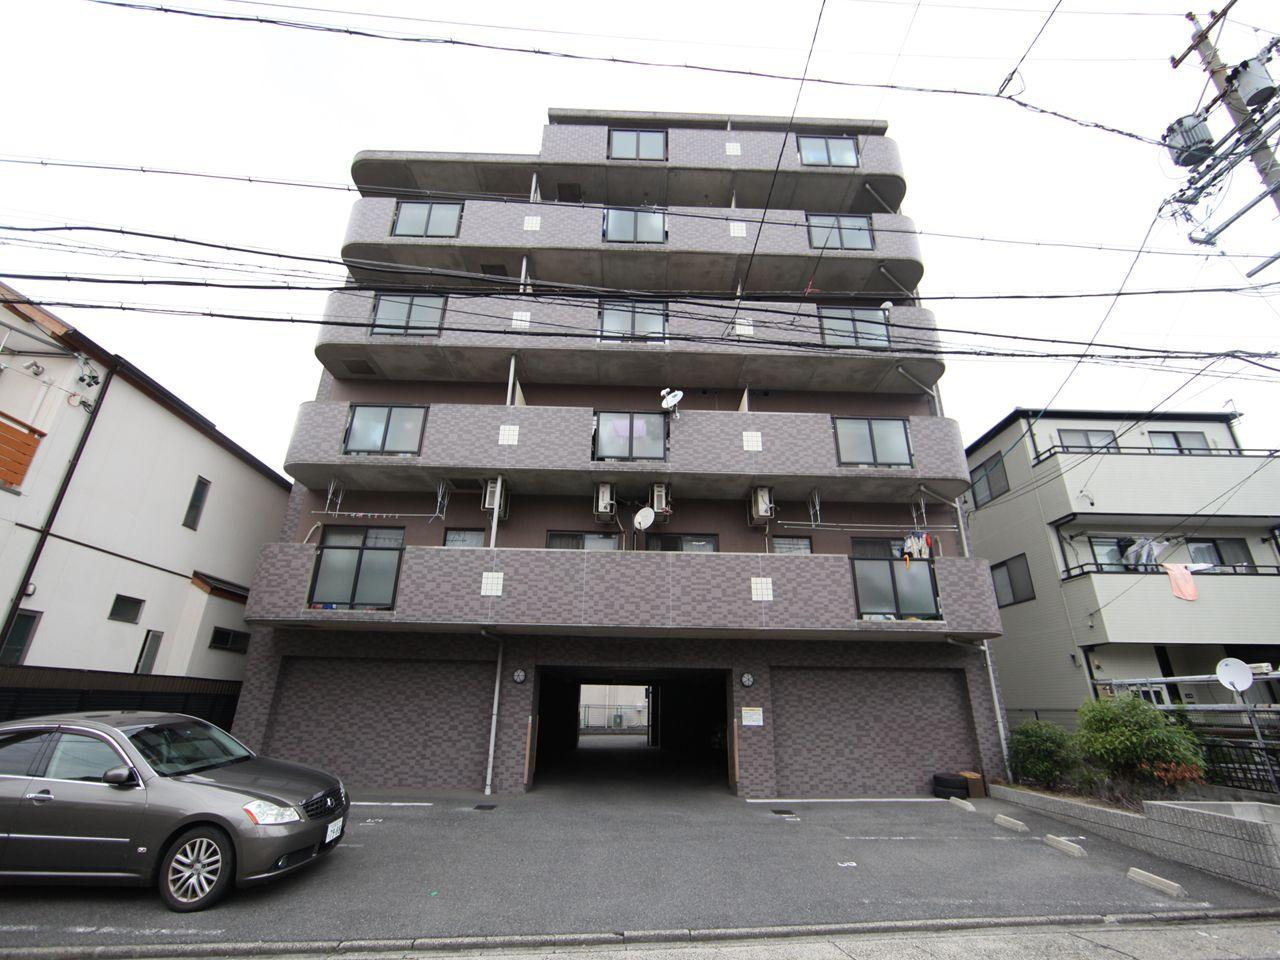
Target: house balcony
{"x": 628, "y": 593}
{"x": 778, "y": 346}
{"x": 552, "y": 453}
{"x": 702, "y": 251}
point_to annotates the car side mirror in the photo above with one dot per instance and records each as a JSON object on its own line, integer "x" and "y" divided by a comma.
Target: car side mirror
{"x": 121, "y": 776}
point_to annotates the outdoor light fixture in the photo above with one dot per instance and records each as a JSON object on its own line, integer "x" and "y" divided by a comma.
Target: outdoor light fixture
{"x": 518, "y": 675}
{"x": 748, "y": 679}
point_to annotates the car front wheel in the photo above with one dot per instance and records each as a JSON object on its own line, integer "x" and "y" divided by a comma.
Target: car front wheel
{"x": 196, "y": 870}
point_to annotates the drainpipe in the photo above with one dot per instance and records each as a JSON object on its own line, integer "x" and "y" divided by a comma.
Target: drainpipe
{"x": 493, "y": 720}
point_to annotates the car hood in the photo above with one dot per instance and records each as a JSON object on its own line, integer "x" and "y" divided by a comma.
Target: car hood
{"x": 276, "y": 780}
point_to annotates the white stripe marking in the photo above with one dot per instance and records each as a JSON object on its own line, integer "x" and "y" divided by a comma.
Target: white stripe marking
{"x": 376, "y": 803}
{"x": 856, "y": 800}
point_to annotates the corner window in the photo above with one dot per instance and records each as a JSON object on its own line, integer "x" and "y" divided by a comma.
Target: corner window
{"x": 637, "y": 144}
{"x": 418, "y": 315}
{"x": 1180, "y": 441}
{"x": 988, "y": 480}
{"x": 234, "y": 641}
{"x": 682, "y": 542}
{"x": 635, "y": 226}
{"x": 872, "y": 442}
{"x": 395, "y": 431}
{"x": 828, "y": 151}
{"x": 844, "y": 232}
{"x": 125, "y": 609}
{"x": 582, "y": 541}
{"x": 464, "y": 538}
{"x": 631, "y": 436}
{"x": 889, "y": 586}
{"x": 427, "y": 220}
{"x": 625, "y": 320}
{"x": 357, "y": 568}
{"x": 15, "y": 645}
{"x": 195, "y": 506}
{"x": 854, "y": 326}
{"x": 792, "y": 545}
{"x": 1088, "y": 441}
{"x": 1108, "y": 552}
{"x": 1012, "y": 580}
{"x": 149, "y": 651}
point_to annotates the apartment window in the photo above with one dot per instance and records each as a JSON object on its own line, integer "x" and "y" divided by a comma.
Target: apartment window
{"x": 427, "y": 220}
{"x": 683, "y": 542}
{"x": 844, "y": 232}
{"x": 582, "y": 541}
{"x": 464, "y": 538}
{"x": 150, "y": 650}
{"x": 1087, "y": 441}
{"x": 419, "y": 315}
{"x": 19, "y": 637}
{"x": 622, "y": 320}
{"x": 637, "y": 144}
{"x": 872, "y": 442}
{"x": 195, "y": 506}
{"x": 631, "y": 436}
{"x": 792, "y": 545}
{"x": 1230, "y": 554}
{"x": 385, "y": 430}
{"x": 1012, "y": 580}
{"x": 357, "y": 568}
{"x": 635, "y": 226}
{"x": 125, "y": 609}
{"x": 891, "y": 587}
{"x": 828, "y": 151}
{"x": 988, "y": 480}
{"x": 1108, "y": 552}
{"x": 1179, "y": 441}
{"x": 233, "y": 641}
{"x": 854, "y": 326}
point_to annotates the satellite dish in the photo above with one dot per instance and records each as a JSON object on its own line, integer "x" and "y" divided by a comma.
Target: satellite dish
{"x": 1234, "y": 674}
{"x": 643, "y": 519}
{"x": 671, "y": 398}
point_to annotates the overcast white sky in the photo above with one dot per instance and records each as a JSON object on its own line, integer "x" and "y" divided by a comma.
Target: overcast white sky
{"x": 90, "y": 82}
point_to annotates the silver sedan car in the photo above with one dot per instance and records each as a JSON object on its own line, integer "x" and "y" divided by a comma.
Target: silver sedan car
{"x": 151, "y": 798}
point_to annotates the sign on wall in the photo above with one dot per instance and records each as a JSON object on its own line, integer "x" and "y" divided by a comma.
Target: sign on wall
{"x": 753, "y": 716}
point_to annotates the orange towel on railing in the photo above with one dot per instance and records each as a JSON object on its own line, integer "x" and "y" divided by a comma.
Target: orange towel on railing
{"x": 1184, "y": 587}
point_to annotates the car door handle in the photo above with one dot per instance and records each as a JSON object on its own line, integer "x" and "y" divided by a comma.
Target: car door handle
{"x": 40, "y": 797}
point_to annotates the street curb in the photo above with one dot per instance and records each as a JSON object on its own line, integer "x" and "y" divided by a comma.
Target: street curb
{"x": 154, "y": 951}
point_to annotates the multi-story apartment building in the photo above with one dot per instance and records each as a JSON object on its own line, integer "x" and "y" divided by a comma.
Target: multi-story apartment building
{"x": 129, "y": 530}
{"x": 1078, "y": 511}
{"x": 539, "y": 351}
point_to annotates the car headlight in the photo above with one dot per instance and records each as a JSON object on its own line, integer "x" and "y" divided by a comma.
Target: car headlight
{"x": 264, "y": 812}
{"x": 342, "y": 791}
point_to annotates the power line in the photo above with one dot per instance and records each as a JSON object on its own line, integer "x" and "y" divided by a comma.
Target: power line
{"x": 1014, "y": 72}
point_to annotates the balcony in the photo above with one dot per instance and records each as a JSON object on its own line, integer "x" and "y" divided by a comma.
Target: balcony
{"x": 627, "y": 593}
{"x": 479, "y": 336}
{"x": 703, "y": 251}
{"x": 19, "y": 442}
{"x": 1133, "y": 607}
{"x": 553, "y": 455}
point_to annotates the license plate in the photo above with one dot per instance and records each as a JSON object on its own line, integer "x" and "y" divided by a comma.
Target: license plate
{"x": 334, "y": 831}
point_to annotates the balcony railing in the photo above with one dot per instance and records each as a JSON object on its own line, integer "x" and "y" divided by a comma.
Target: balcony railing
{"x": 1222, "y": 569}
{"x": 1058, "y": 448}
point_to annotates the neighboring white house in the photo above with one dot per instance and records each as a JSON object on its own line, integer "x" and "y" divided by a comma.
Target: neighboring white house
{"x": 129, "y": 525}
{"x": 1063, "y": 503}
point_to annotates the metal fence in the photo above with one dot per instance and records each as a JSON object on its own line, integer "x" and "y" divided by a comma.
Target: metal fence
{"x": 603, "y": 716}
{"x": 1243, "y": 765}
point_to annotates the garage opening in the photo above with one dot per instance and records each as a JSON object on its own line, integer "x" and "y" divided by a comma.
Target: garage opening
{"x": 655, "y": 729}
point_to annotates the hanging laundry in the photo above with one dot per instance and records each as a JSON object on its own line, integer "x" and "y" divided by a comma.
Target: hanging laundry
{"x": 1181, "y": 581}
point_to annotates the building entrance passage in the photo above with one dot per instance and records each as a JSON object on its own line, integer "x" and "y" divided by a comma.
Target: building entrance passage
{"x": 658, "y": 729}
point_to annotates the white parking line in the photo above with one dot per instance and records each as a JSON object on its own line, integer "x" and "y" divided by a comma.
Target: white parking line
{"x": 853, "y": 800}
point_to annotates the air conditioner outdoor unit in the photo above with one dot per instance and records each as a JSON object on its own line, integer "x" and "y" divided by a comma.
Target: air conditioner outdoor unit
{"x": 761, "y": 505}
{"x": 660, "y": 500}
{"x": 605, "y": 505}
{"x": 492, "y": 501}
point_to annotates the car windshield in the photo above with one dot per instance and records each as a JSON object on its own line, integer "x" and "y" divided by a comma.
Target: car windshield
{"x": 176, "y": 747}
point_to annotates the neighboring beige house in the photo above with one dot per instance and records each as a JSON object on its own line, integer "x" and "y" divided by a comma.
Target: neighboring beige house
{"x": 1062, "y": 503}
{"x": 129, "y": 529}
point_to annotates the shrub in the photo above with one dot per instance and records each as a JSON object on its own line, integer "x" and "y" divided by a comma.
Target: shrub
{"x": 1040, "y": 752}
{"x": 1130, "y": 739}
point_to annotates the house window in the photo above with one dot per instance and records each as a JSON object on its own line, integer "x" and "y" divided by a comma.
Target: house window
{"x": 828, "y": 151}
{"x": 623, "y": 320}
{"x": 1012, "y": 580}
{"x": 872, "y": 442}
{"x": 635, "y": 226}
{"x": 582, "y": 541}
{"x": 683, "y": 542}
{"x": 357, "y": 568}
{"x": 988, "y": 480}
{"x": 792, "y": 545}
{"x": 1108, "y": 552}
{"x": 631, "y": 436}
{"x": 637, "y": 144}
{"x": 234, "y": 641}
{"x": 843, "y": 232}
{"x": 18, "y": 640}
{"x": 891, "y": 587}
{"x": 385, "y": 430}
{"x": 427, "y": 220}
{"x": 150, "y": 650}
{"x": 125, "y": 609}
{"x": 195, "y": 506}
{"x": 464, "y": 538}
{"x": 419, "y": 315}
{"x": 1087, "y": 441}
{"x": 854, "y": 326}
{"x": 1227, "y": 554}
{"x": 1179, "y": 441}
